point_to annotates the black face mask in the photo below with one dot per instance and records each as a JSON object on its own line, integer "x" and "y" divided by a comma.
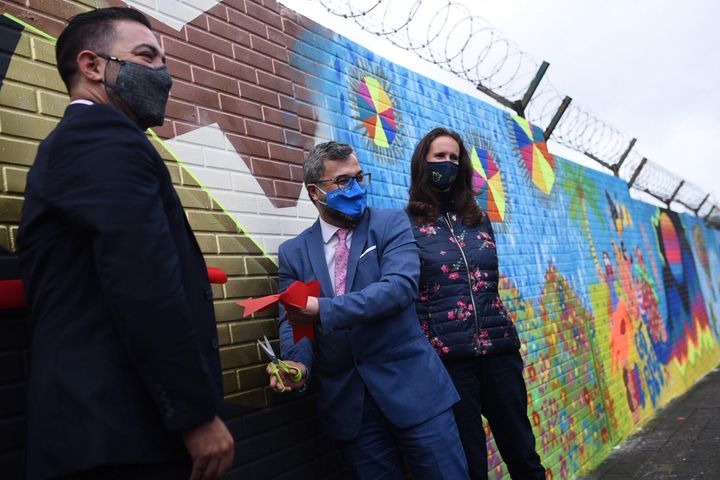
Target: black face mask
{"x": 144, "y": 90}
{"x": 442, "y": 174}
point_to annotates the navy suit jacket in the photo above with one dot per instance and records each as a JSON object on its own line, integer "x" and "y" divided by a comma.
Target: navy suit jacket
{"x": 369, "y": 340}
{"x": 124, "y": 345}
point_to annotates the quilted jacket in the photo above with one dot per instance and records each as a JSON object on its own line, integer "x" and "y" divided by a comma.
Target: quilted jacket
{"x": 459, "y": 308}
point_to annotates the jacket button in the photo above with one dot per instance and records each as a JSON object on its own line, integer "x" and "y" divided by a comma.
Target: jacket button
{"x": 209, "y": 295}
{"x": 214, "y": 343}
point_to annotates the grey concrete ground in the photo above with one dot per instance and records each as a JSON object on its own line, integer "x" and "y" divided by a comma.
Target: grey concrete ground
{"x": 681, "y": 442}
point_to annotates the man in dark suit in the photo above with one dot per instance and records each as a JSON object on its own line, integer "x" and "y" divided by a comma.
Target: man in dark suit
{"x": 125, "y": 380}
{"x": 382, "y": 389}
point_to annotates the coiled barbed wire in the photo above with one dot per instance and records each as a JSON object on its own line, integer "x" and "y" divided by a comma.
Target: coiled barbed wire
{"x": 467, "y": 46}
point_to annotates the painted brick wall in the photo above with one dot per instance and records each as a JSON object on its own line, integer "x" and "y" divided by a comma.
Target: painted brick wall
{"x": 617, "y": 302}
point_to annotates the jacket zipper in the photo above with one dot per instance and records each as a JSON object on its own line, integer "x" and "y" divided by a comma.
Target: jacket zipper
{"x": 467, "y": 269}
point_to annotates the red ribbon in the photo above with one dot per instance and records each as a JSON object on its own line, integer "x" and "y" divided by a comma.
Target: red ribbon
{"x": 296, "y": 295}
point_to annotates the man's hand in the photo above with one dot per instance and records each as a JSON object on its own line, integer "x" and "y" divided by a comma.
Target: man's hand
{"x": 210, "y": 446}
{"x": 289, "y": 384}
{"x": 310, "y": 314}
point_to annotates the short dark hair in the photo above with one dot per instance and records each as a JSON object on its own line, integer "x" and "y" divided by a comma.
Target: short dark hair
{"x": 314, "y": 166}
{"x": 93, "y": 30}
{"x": 424, "y": 202}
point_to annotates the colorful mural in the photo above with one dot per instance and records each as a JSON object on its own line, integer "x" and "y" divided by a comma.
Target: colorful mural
{"x": 617, "y": 302}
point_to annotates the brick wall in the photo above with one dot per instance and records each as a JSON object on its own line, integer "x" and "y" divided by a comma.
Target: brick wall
{"x": 616, "y": 301}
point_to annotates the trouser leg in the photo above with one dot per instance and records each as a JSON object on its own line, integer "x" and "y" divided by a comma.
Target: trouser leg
{"x": 465, "y": 376}
{"x": 433, "y": 450}
{"x": 504, "y": 404}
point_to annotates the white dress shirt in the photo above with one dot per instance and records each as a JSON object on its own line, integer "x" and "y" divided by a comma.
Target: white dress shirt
{"x": 330, "y": 240}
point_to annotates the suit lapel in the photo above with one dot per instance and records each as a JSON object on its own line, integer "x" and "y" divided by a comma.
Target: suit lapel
{"x": 316, "y": 252}
{"x": 357, "y": 245}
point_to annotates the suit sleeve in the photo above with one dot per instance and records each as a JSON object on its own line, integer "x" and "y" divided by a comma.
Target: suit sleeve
{"x": 289, "y": 350}
{"x": 395, "y": 290}
{"x": 112, "y": 193}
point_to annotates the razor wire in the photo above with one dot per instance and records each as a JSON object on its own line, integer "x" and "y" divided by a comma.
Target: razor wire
{"x": 447, "y": 34}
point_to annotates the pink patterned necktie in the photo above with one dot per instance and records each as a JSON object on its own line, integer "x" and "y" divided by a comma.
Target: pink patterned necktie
{"x": 341, "y": 261}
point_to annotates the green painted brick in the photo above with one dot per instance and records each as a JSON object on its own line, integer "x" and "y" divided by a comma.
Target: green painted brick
{"x": 207, "y": 243}
{"x": 53, "y": 104}
{"x": 193, "y": 198}
{"x": 4, "y": 237}
{"x": 34, "y": 127}
{"x": 18, "y": 96}
{"x": 17, "y": 151}
{"x": 252, "y": 377}
{"x": 15, "y": 179}
{"x": 239, "y": 356}
{"x": 260, "y": 265}
{"x": 37, "y": 74}
{"x": 10, "y": 208}
{"x": 248, "y": 287}
{"x": 230, "y": 382}
{"x": 237, "y": 244}
{"x": 227, "y": 311}
{"x": 250, "y": 330}
{"x": 43, "y": 51}
{"x": 211, "y": 222}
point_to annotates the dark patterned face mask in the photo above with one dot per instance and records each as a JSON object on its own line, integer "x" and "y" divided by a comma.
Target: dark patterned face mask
{"x": 144, "y": 90}
{"x": 442, "y": 174}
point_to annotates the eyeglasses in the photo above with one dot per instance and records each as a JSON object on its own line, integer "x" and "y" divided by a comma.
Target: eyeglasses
{"x": 343, "y": 181}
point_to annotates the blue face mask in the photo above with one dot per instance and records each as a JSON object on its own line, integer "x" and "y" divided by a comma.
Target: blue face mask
{"x": 442, "y": 174}
{"x": 350, "y": 200}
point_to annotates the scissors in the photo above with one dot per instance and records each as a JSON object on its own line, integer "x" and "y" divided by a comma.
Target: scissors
{"x": 276, "y": 365}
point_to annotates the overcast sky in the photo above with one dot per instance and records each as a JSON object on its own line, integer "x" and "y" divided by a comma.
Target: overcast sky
{"x": 649, "y": 67}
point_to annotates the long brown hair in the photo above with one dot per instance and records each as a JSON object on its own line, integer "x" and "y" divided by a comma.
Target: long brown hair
{"x": 424, "y": 200}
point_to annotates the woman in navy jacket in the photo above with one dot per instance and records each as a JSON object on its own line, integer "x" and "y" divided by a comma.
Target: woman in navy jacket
{"x": 460, "y": 310}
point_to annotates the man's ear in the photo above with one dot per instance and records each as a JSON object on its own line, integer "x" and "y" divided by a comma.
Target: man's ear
{"x": 90, "y": 66}
{"x": 313, "y": 192}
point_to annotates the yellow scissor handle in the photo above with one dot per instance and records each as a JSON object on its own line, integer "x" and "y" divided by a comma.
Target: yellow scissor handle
{"x": 279, "y": 385}
{"x": 295, "y": 377}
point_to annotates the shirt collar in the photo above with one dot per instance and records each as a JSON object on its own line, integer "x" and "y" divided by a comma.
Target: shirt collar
{"x": 327, "y": 230}
{"x": 81, "y": 101}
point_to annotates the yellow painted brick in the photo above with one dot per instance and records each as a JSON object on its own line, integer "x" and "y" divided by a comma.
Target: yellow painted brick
{"x": 230, "y": 382}
{"x": 239, "y": 356}
{"x": 23, "y": 47}
{"x": 10, "y": 208}
{"x": 15, "y": 179}
{"x": 227, "y": 311}
{"x": 252, "y": 377}
{"x": 218, "y": 292}
{"x": 193, "y": 197}
{"x": 24, "y": 125}
{"x": 249, "y": 330}
{"x": 253, "y": 398}
{"x": 53, "y": 103}
{"x": 223, "y": 333}
{"x": 260, "y": 265}
{"x": 34, "y": 73}
{"x": 43, "y": 51}
{"x": 236, "y": 244}
{"x": 4, "y": 237}
{"x": 211, "y": 222}
{"x": 17, "y": 151}
{"x": 230, "y": 265}
{"x": 18, "y": 96}
{"x": 162, "y": 151}
{"x": 207, "y": 242}
{"x": 13, "y": 238}
{"x": 188, "y": 179}
{"x": 174, "y": 170}
{"x": 248, "y": 287}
